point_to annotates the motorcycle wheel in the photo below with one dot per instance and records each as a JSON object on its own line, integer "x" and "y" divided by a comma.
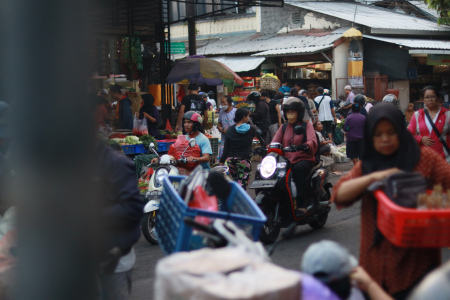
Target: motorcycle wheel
{"x": 319, "y": 222}
{"x": 270, "y": 230}
{"x": 148, "y": 223}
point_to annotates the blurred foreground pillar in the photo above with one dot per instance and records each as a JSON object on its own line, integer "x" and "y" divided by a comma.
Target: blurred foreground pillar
{"x": 44, "y": 58}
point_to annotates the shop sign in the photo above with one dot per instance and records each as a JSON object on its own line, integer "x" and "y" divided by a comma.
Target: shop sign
{"x": 438, "y": 59}
{"x": 177, "y": 48}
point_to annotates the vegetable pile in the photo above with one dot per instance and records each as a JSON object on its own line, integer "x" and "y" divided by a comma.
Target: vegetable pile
{"x": 147, "y": 139}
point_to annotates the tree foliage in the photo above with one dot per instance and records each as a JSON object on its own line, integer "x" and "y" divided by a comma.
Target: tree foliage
{"x": 442, "y": 7}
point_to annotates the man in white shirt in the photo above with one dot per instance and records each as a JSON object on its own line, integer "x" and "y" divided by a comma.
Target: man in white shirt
{"x": 326, "y": 114}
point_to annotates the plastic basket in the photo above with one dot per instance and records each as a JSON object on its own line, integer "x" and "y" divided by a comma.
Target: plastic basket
{"x": 175, "y": 236}
{"x": 128, "y": 149}
{"x": 408, "y": 227}
{"x": 139, "y": 148}
{"x": 164, "y": 145}
{"x": 214, "y": 145}
{"x": 270, "y": 84}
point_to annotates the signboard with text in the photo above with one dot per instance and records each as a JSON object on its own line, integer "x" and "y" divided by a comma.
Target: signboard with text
{"x": 438, "y": 59}
{"x": 177, "y": 48}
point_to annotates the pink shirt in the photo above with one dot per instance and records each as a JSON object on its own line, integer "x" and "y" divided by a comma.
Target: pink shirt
{"x": 424, "y": 131}
{"x": 311, "y": 141}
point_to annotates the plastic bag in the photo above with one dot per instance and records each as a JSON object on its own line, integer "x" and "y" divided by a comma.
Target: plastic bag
{"x": 203, "y": 201}
{"x": 338, "y": 136}
{"x": 177, "y": 149}
{"x": 140, "y": 126}
{"x": 225, "y": 273}
{"x": 215, "y": 133}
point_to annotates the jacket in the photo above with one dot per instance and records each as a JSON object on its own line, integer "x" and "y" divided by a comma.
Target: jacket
{"x": 125, "y": 114}
{"x": 261, "y": 116}
{"x": 285, "y": 140}
{"x": 122, "y": 204}
{"x": 240, "y": 144}
{"x": 441, "y": 126}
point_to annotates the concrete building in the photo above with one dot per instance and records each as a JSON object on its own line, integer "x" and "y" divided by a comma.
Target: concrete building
{"x": 402, "y": 47}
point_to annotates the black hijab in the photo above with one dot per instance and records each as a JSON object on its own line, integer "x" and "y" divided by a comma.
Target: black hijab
{"x": 405, "y": 158}
{"x": 148, "y": 103}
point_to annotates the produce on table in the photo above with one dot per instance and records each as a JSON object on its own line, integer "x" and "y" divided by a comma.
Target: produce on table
{"x": 340, "y": 125}
{"x": 117, "y": 136}
{"x": 111, "y": 142}
{"x": 132, "y": 140}
{"x": 147, "y": 139}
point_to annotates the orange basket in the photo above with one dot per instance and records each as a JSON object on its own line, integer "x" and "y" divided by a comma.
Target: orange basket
{"x": 410, "y": 227}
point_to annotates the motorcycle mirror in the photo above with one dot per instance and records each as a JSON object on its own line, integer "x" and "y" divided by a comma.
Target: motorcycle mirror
{"x": 298, "y": 130}
{"x": 192, "y": 143}
{"x": 152, "y": 145}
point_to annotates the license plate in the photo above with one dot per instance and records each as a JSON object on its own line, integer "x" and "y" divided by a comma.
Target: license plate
{"x": 261, "y": 184}
{"x": 156, "y": 193}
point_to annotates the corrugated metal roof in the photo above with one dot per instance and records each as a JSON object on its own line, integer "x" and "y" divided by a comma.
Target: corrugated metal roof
{"x": 413, "y": 43}
{"x": 370, "y": 16}
{"x": 252, "y": 44}
{"x": 424, "y": 7}
{"x": 296, "y": 51}
{"x": 240, "y": 63}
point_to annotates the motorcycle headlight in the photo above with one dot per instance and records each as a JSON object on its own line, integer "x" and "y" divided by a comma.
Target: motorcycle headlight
{"x": 159, "y": 175}
{"x": 268, "y": 166}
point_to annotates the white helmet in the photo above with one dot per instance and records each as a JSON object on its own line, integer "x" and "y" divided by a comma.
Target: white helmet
{"x": 167, "y": 160}
{"x": 390, "y": 98}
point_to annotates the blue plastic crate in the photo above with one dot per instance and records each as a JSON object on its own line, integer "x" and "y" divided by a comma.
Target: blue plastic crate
{"x": 175, "y": 236}
{"x": 139, "y": 148}
{"x": 128, "y": 149}
{"x": 164, "y": 146}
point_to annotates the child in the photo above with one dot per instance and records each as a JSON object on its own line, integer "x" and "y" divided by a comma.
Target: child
{"x": 325, "y": 148}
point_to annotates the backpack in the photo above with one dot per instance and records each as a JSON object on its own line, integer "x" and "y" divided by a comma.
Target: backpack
{"x": 304, "y": 124}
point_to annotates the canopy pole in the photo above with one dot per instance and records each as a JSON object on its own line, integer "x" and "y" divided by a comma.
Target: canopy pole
{"x": 324, "y": 55}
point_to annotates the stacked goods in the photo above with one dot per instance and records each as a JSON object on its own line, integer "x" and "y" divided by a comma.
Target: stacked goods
{"x": 169, "y": 135}
{"x": 270, "y": 82}
{"x": 436, "y": 200}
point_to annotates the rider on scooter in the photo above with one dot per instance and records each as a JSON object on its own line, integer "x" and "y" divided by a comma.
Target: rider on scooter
{"x": 192, "y": 128}
{"x": 303, "y": 160}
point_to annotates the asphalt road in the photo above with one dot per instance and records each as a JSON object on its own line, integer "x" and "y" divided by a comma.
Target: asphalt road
{"x": 343, "y": 226}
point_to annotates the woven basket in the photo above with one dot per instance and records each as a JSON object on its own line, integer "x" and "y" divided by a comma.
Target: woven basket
{"x": 270, "y": 84}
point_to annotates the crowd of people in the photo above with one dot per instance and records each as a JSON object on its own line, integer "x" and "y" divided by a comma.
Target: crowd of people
{"x": 381, "y": 140}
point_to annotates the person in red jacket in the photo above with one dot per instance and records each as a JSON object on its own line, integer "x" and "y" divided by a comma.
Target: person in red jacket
{"x": 303, "y": 159}
{"x": 422, "y": 129}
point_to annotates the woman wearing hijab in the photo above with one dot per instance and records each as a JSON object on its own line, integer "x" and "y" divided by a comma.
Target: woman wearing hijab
{"x": 389, "y": 148}
{"x": 151, "y": 113}
{"x": 421, "y": 127}
{"x": 238, "y": 147}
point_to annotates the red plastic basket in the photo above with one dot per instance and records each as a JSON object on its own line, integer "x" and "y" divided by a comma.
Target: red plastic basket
{"x": 409, "y": 227}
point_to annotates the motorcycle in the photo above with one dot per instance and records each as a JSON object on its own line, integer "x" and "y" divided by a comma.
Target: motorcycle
{"x": 276, "y": 192}
{"x": 167, "y": 166}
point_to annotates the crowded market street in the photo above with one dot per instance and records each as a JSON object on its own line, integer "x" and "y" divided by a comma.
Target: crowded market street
{"x": 343, "y": 226}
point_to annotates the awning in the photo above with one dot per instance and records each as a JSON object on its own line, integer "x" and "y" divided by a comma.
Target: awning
{"x": 240, "y": 63}
{"x": 423, "y": 46}
{"x": 294, "y": 51}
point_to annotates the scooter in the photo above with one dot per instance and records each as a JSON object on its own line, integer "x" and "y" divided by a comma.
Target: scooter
{"x": 167, "y": 166}
{"x": 276, "y": 192}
